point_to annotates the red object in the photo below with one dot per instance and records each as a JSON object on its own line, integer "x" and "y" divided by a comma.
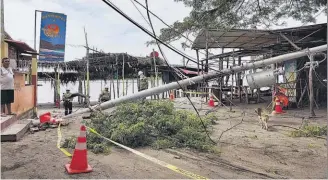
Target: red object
{"x": 154, "y": 53}
{"x": 278, "y": 108}
{"x": 45, "y": 117}
{"x": 79, "y": 163}
{"x": 171, "y": 96}
{"x": 211, "y": 102}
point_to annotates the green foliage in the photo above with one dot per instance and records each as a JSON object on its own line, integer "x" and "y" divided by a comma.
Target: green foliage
{"x": 153, "y": 123}
{"x": 69, "y": 142}
{"x": 310, "y": 131}
{"x": 226, "y": 14}
{"x": 94, "y": 143}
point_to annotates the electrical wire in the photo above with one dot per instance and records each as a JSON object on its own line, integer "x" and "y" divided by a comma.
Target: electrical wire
{"x": 319, "y": 78}
{"x": 176, "y": 79}
{"x": 181, "y": 34}
{"x": 160, "y": 19}
{"x": 110, "y": 4}
{"x": 157, "y": 41}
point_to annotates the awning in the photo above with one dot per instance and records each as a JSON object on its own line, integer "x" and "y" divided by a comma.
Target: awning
{"x": 21, "y": 46}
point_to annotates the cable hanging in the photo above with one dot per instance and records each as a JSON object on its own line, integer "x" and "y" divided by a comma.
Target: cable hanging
{"x": 110, "y": 4}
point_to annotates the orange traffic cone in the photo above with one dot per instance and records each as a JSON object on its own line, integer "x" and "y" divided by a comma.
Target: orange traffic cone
{"x": 171, "y": 96}
{"x": 45, "y": 117}
{"x": 278, "y": 108}
{"x": 79, "y": 163}
{"x": 211, "y": 102}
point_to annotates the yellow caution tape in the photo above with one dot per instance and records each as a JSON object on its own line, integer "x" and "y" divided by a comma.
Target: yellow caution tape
{"x": 58, "y": 143}
{"x": 184, "y": 172}
{"x": 154, "y": 160}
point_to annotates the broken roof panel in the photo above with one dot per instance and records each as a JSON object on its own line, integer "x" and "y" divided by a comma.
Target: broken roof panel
{"x": 235, "y": 38}
{"x": 255, "y": 39}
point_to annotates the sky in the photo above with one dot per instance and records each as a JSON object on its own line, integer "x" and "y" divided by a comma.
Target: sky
{"x": 106, "y": 29}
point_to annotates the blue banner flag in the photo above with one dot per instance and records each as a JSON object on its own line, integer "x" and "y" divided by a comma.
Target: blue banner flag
{"x": 52, "y": 37}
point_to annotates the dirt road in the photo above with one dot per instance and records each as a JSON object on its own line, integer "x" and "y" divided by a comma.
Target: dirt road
{"x": 246, "y": 152}
{"x": 36, "y": 156}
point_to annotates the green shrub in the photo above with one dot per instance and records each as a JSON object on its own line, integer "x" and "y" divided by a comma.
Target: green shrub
{"x": 153, "y": 123}
{"x": 310, "y": 131}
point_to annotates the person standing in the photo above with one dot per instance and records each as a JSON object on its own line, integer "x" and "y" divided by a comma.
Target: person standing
{"x": 104, "y": 95}
{"x": 67, "y": 98}
{"x": 143, "y": 81}
{"x": 7, "y": 87}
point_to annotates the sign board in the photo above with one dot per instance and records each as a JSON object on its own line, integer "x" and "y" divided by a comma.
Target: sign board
{"x": 52, "y": 37}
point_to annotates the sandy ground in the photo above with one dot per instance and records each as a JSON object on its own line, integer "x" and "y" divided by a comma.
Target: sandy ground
{"x": 247, "y": 151}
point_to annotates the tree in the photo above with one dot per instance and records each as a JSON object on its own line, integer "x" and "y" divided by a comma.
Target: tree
{"x": 226, "y": 14}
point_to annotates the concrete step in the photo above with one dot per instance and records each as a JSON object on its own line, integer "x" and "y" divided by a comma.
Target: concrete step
{"x": 7, "y": 121}
{"x": 15, "y": 131}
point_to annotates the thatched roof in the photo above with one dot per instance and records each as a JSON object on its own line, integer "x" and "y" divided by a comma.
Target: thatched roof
{"x": 104, "y": 62}
{"x": 101, "y": 66}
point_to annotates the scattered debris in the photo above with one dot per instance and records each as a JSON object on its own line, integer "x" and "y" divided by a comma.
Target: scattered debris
{"x": 37, "y": 126}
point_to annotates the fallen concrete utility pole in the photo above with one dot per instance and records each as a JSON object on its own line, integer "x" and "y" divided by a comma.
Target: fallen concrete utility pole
{"x": 185, "y": 82}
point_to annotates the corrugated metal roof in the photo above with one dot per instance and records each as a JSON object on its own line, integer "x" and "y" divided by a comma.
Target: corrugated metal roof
{"x": 252, "y": 39}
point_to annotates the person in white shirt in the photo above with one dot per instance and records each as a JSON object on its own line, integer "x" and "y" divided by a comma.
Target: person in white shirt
{"x": 6, "y": 86}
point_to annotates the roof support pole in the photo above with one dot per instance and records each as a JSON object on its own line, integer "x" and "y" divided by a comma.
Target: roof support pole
{"x": 185, "y": 82}
{"x": 198, "y": 72}
{"x": 197, "y": 54}
{"x": 206, "y": 65}
{"x": 221, "y": 79}
{"x": 239, "y": 81}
